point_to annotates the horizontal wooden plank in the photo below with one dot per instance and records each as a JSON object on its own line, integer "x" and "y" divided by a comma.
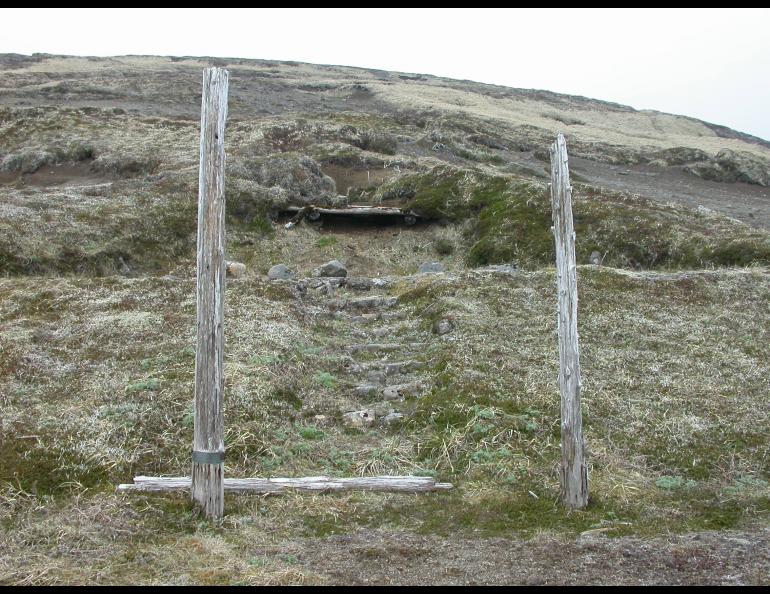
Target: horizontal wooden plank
{"x": 357, "y": 211}
{"x": 409, "y": 484}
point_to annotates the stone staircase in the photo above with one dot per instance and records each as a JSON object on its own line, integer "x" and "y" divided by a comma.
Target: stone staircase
{"x": 383, "y": 353}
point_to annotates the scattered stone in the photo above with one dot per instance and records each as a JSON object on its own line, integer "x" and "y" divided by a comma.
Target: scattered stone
{"x": 381, "y": 332}
{"x": 401, "y": 367}
{"x": 122, "y": 266}
{"x": 392, "y": 418}
{"x": 369, "y": 303}
{"x": 300, "y": 290}
{"x": 365, "y": 390}
{"x": 280, "y": 272}
{"x": 329, "y": 287}
{"x": 235, "y": 269}
{"x": 401, "y": 391}
{"x": 443, "y": 326}
{"x": 358, "y": 283}
{"x": 356, "y": 348}
{"x": 359, "y": 419}
{"x": 334, "y": 282}
{"x": 332, "y": 268}
{"x": 595, "y": 258}
{"x": 427, "y": 267}
{"x": 376, "y": 377}
{"x": 337, "y": 304}
{"x": 393, "y": 315}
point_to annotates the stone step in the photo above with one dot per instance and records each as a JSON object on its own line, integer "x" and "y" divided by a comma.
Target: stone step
{"x": 390, "y": 368}
{"x": 362, "y": 283}
{"x": 380, "y": 332}
{"x": 384, "y": 346}
{"x": 368, "y": 417}
{"x": 393, "y": 392}
{"x": 366, "y": 318}
{"x": 362, "y": 304}
{"x": 401, "y": 391}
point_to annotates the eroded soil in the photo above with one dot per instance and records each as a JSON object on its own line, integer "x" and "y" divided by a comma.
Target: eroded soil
{"x": 388, "y": 558}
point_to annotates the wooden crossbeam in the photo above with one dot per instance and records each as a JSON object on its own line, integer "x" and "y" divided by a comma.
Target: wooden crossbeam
{"x": 403, "y": 484}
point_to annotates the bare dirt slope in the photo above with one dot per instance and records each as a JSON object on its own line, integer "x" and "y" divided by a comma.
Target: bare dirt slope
{"x": 383, "y": 558}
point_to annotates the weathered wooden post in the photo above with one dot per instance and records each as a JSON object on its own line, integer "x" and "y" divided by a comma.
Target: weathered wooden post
{"x": 574, "y": 474}
{"x": 208, "y": 441}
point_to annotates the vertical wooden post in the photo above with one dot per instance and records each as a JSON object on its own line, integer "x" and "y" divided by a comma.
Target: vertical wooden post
{"x": 574, "y": 474}
{"x": 208, "y": 440}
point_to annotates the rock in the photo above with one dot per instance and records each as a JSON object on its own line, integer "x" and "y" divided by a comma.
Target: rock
{"x": 401, "y": 367}
{"x": 370, "y": 303}
{"x": 443, "y": 326}
{"x": 427, "y": 267}
{"x": 337, "y": 304}
{"x": 359, "y": 283}
{"x": 235, "y": 269}
{"x": 393, "y": 315}
{"x": 359, "y": 419}
{"x": 365, "y": 390}
{"x": 376, "y": 346}
{"x": 280, "y": 272}
{"x": 595, "y": 258}
{"x": 122, "y": 266}
{"x": 732, "y": 166}
{"x": 400, "y": 391}
{"x": 376, "y": 377}
{"x": 333, "y": 268}
{"x": 300, "y": 290}
{"x": 743, "y": 166}
{"x": 392, "y": 418}
{"x": 328, "y": 282}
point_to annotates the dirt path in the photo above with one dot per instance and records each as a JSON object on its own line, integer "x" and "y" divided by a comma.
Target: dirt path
{"x": 378, "y": 557}
{"x": 747, "y": 203}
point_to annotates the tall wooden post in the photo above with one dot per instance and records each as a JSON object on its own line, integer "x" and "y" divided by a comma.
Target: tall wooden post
{"x": 574, "y": 474}
{"x": 208, "y": 440}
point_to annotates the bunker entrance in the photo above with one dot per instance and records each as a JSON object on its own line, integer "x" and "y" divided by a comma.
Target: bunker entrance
{"x": 353, "y": 216}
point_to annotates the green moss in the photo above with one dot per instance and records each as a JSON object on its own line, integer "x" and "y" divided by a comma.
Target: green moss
{"x": 444, "y": 247}
{"x": 514, "y": 225}
{"x": 672, "y": 483}
{"x": 326, "y": 379}
{"x": 310, "y": 432}
{"x": 41, "y": 468}
{"x": 326, "y": 241}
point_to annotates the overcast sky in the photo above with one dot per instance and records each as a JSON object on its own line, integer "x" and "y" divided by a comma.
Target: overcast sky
{"x": 712, "y": 64}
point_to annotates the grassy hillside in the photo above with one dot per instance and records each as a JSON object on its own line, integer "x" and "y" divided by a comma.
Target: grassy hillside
{"x": 97, "y": 377}
{"x": 98, "y": 207}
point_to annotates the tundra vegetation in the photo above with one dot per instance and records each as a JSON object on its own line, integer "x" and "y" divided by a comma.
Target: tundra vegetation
{"x": 98, "y": 190}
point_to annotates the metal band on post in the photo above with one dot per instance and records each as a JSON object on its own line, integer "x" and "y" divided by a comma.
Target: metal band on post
{"x": 208, "y": 457}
